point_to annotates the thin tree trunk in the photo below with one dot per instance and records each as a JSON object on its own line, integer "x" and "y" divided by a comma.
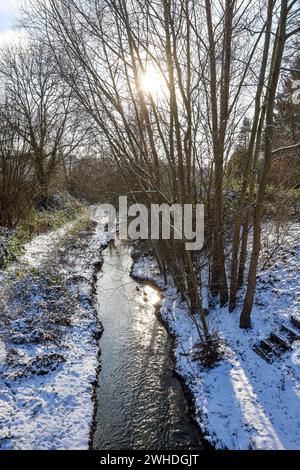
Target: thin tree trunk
{"x": 250, "y": 201}
{"x": 218, "y": 275}
{"x": 245, "y": 319}
{"x": 249, "y": 160}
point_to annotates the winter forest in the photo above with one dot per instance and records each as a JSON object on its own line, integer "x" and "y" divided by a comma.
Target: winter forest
{"x": 189, "y": 110}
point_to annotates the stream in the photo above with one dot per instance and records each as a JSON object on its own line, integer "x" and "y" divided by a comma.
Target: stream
{"x": 140, "y": 403}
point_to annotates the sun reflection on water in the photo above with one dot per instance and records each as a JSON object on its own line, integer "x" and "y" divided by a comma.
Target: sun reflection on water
{"x": 151, "y": 296}
{"x": 148, "y": 298}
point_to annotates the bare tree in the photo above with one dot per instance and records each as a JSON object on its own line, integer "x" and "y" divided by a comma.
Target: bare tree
{"x": 44, "y": 115}
{"x": 212, "y": 64}
{"x": 255, "y": 138}
{"x": 16, "y": 186}
{"x": 277, "y": 56}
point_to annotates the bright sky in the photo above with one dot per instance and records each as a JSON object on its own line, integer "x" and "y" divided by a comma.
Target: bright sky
{"x": 8, "y": 16}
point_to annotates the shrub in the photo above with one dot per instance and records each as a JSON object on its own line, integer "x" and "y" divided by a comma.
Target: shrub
{"x": 208, "y": 353}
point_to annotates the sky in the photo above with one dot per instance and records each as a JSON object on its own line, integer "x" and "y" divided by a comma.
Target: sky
{"x": 8, "y": 17}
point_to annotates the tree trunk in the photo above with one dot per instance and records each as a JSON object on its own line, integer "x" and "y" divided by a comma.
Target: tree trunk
{"x": 249, "y": 160}
{"x": 245, "y": 319}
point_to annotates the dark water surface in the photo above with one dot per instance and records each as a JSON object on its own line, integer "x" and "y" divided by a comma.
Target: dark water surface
{"x": 141, "y": 404}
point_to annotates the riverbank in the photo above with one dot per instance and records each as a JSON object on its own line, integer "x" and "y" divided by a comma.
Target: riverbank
{"x": 49, "y": 340}
{"x": 49, "y": 350}
{"x": 244, "y": 402}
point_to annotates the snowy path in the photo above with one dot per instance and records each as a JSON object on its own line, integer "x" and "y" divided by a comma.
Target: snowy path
{"x": 49, "y": 342}
{"x": 39, "y": 249}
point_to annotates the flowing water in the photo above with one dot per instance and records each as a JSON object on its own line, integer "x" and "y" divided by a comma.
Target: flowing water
{"x": 141, "y": 404}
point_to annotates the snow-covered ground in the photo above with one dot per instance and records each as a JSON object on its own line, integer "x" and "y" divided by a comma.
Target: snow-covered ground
{"x": 49, "y": 348}
{"x": 49, "y": 341}
{"x": 41, "y": 246}
{"x": 244, "y": 402}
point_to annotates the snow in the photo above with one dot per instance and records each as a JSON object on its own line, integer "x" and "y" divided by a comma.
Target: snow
{"x": 49, "y": 349}
{"x": 41, "y": 246}
{"x": 49, "y": 342}
{"x": 243, "y": 402}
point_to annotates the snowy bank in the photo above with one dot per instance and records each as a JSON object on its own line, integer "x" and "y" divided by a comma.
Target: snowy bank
{"x": 244, "y": 402}
{"x": 49, "y": 341}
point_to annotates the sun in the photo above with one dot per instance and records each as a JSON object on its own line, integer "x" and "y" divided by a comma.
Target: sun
{"x": 151, "y": 82}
